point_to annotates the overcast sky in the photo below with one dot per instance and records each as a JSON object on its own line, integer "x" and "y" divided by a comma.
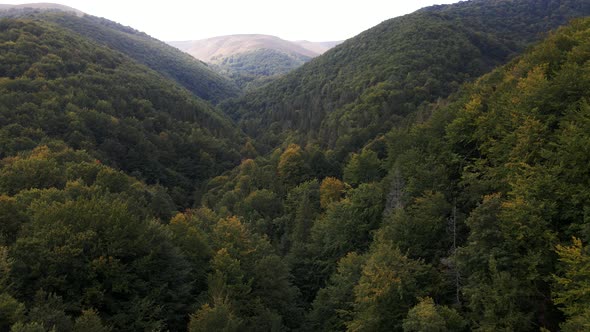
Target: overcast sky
{"x": 314, "y": 20}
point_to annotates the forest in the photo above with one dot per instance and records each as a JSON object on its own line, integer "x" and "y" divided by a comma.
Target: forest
{"x": 429, "y": 174}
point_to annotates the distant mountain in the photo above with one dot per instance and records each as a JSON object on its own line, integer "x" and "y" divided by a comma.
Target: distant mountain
{"x": 43, "y": 6}
{"x": 255, "y": 68}
{"x": 317, "y": 47}
{"x": 216, "y": 48}
{"x": 252, "y": 60}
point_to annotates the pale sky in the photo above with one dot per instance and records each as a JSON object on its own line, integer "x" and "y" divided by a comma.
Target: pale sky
{"x": 314, "y": 20}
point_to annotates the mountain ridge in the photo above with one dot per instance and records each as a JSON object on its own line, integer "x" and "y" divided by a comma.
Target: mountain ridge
{"x": 170, "y": 62}
{"x": 214, "y": 48}
{"x": 252, "y": 60}
{"x": 42, "y": 6}
{"x": 373, "y": 80}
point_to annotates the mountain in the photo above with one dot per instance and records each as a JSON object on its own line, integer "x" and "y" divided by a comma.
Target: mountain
{"x": 468, "y": 216}
{"x": 255, "y": 68}
{"x": 171, "y": 63}
{"x": 317, "y": 47}
{"x": 489, "y": 191}
{"x": 252, "y": 60}
{"x": 58, "y": 85}
{"x": 42, "y": 6}
{"x": 216, "y": 48}
{"x": 371, "y": 82}
{"x": 440, "y": 182}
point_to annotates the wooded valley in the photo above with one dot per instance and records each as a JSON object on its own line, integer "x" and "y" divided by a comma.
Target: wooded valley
{"x": 430, "y": 174}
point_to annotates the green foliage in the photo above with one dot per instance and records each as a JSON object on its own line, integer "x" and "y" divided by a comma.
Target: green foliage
{"x": 216, "y": 318}
{"x": 49, "y": 310}
{"x": 76, "y": 249}
{"x": 11, "y": 311}
{"x": 426, "y": 316}
{"x": 333, "y": 305}
{"x": 292, "y": 168}
{"x": 369, "y": 83}
{"x": 420, "y": 229}
{"x": 62, "y": 86}
{"x": 572, "y": 288}
{"x": 28, "y": 327}
{"x": 362, "y": 168}
{"x": 444, "y": 209}
{"x": 248, "y": 276}
{"x": 89, "y": 321}
{"x": 387, "y": 289}
{"x": 169, "y": 62}
{"x": 11, "y": 218}
{"x": 255, "y": 68}
{"x": 347, "y": 225}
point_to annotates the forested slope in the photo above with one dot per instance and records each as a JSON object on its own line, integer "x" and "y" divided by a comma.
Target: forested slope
{"x": 252, "y": 69}
{"x": 171, "y": 63}
{"x": 85, "y": 244}
{"x": 129, "y": 204}
{"x": 369, "y": 83}
{"x": 56, "y": 85}
{"x": 473, "y": 219}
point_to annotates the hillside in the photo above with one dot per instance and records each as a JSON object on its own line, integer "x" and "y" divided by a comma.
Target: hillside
{"x": 429, "y": 174}
{"x": 371, "y": 82}
{"x": 471, "y": 218}
{"x": 255, "y": 68}
{"x": 42, "y": 6}
{"x": 58, "y": 85}
{"x": 171, "y": 63}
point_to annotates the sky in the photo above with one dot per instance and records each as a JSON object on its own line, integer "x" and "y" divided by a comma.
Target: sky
{"x": 313, "y": 20}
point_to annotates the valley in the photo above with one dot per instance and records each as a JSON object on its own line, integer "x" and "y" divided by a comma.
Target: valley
{"x": 253, "y": 60}
{"x": 428, "y": 174}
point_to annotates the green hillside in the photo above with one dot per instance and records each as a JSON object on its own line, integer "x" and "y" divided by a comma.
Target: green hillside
{"x": 430, "y": 174}
{"x": 474, "y": 218}
{"x": 369, "y": 83}
{"x": 253, "y": 69}
{"x": 171, "y": 63}
{"x": 56, "y": 85}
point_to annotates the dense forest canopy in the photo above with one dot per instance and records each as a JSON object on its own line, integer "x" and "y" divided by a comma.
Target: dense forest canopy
{"x": 57, "y": 85}
{"x": 369, "y": 83}
{"x": 444, "y": 196}
{"x": 255, "y": 68}
{"x": 171, "y": 63}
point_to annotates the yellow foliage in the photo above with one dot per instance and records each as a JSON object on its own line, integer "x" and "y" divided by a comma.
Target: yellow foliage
{"x": 331, "y": 190}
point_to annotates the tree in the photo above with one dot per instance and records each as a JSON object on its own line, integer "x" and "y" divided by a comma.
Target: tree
{"x": 218, "y": 317}
{"x": 95, "y": 253}
{"x": 347, "y": 225}
{"x": 89, "y": 321}
{"x": 572, "y": 286}
{"x": 388, "y": 287}
{"x": 11, "y": 218}
{"x": 331, "y": 190}
{"x": 246, "y": 272}
{"x": 248, "y": 151}
{"x": 420, "y": 229}
{"x": 11, "y": 311}
{"x": 333, "y": 305}
{"x": 292, "y": 167}
{"x": 28, "y": 327}
{"x": 426, "y": 316}
{"x": 362, "y": 168}
{"x": 494, "y": 287}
